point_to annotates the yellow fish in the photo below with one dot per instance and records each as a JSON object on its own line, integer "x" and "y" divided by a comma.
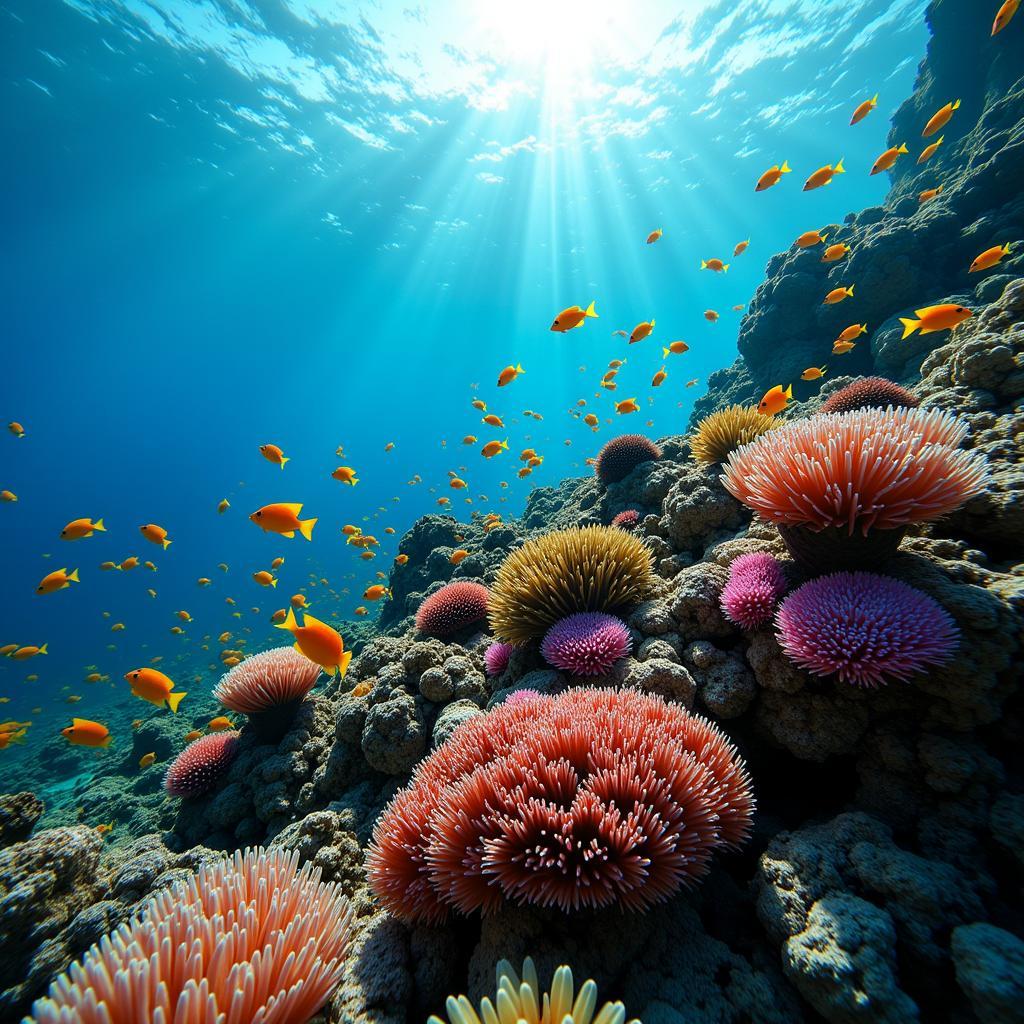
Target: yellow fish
{"x": 283, "y": 518}
{"x": 509, "y": 374}
{"x": 154, "y": 687}
{"x": 888, "y": 158}
{"x": 935, "y": 318}
{"x": 264, "y": 578}
{"x": 929, "y": 151}
{"x": 572, "y": 317}
{"x": 318, "y": 642}
{"x": 840, "y": 348}
{"x": 155, "y": 535}
{"x": 59, "y": 580}
{"x": 223, "y": 505}
{"x": 989, "y": 258}
{"x": 835, "y": 252}
{"x": 775, "y": 400}
{"x": 8, "y": 496}
{"x": 147, "y": 759}
{"x": 940, "y": 118}
{"x": 492, "y": 448}
{"x": 837, "y": 295}
{"x": 771, "y": 176}
{"x": 346, "y": 475}
{"x": 628, "y": 405}
{"x": 809, "y": 238}
{"x": 813, "y": 372}
{"x": 851, "y": 332}
{"x": 79, "y": 528}
{"x": 273, "y": 454}
{"x": 864, "y": 109}
{"x": 823, "y": 175}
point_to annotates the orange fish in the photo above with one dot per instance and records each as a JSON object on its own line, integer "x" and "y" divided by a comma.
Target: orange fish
{"x": 692, "y": 383}
{"x": 823, "y": 175}
{"x": 840, "y": 348}
{"x": 277, "y": 563}
{"x": 771, "y": 176}
{"x": 79, "y": 528}
{"x": 641, "y": 331}
{"x": 318, "y": 642}
{"x": 714, "y": 264}
{"x": 29, "y": 651}
{"x": 675, "y": 348}
{"x": 658, "y": 378}
{"x": 16, "y": 428}
{"x": 84, "y": 733}
{"x": 154, "y": 687}
{"x": 458, "y": 555}
{"x": 835, "y": 252}
{"x": 59, "y": 580}
{"x": 389, "y": 446}
{"x": 223, "y": 505}
{"x": 376, "y": 592}
{"x": 298, "y": 601}
{"x": 279, "y": 616}
{"x": 273, "y": 454}
{"x": 935, "y": 318}
{"x": 509, "y": 374}
{"x": 888, "y": 158}
{"x": 1004, "y": 15}
{"x": 457, "y": 483}
{"x": 8, "y": 496}
{"x": 193, "y": 735}
{"x": 654, "y": 236}
{"x": 264, "y": 578}
{"x": 147, "y": 759}
{"x": 572, "y": 317}
{"x": 628, "y": 405}
{"x": 929, "y": 193}
{"x": 929, "y": 151}
{"x": 837, "y": 295}
{"x": 775, "y": 400}
{"x": 864, "y": 109}
{"x": 939, "y": 119}
{"x": 851, "y": 332}
{"x": 741, "y": 247}
{"x": 710, "y": 315}
{"x": 203, "y": 581}
{"x": 524, "y": 472}
{"x": 480, "y": 405}
{"x": 401, "y": 559}
{"x": 220, "y": 723}
{"x": 813, "y": 372}
{"x": 155, "y": 535}
{"x": 492, "y": 448}
{"x": 989, "y": 258}
{"x": 283, "y": 518}
{"x": 346, "y": 475}
{"x": 469, "y": 439}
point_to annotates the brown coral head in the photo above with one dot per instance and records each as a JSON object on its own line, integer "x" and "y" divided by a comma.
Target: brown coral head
{"x": 870, "y": 393}
{"x": 592, "y": 569}
{"x": 622, "y": 454}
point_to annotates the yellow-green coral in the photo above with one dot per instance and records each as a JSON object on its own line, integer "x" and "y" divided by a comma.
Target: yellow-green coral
{"x": 721, "y": 433}
{"x": 593, "y": 569}
{"x": 522, "y": 1001}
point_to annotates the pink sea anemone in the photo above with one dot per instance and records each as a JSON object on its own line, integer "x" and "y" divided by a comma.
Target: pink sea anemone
{"x": 252, "y": 940}
{"x": 870, "y": 392}
{"x": 496, "y": 657}
{"x": 591, "y": 798}
{"x": 586, "y": 644}
{"x": 627, "y": 520}
{"x": 452, "y": 608}
{"x": 522, "y": 696}
{"x": 871, "y": 469}
{"x": 198, "y": 767}
{"x": 267, "y": 682}
{"x": 865, "y": 629}
{"x": 754, "y": 587}
{"x": 622, "y": 454}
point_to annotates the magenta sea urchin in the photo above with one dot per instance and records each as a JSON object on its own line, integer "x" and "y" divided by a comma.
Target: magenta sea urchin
{"x": 865, "y": 629}
{"x": 586, "y": 644}
{"x": 755, "y": 585}
{"x": 496, "y": 657}
{"x": 197, "y": 768}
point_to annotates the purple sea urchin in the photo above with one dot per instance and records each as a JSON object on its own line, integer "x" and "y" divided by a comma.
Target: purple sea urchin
{"x": 865, "y": 629}
{"x": 496, "y": 657}
{"x": 197, "y": 768}
{"x": 586, "y": 644}
{"x": 622, "y": 454}
{"x": 754, "y": 587}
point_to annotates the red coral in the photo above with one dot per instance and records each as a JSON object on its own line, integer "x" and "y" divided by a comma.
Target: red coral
{"x": 871, "y": 469}
{"x": 586, "y": 799}
{"x": 627, "y": 520}
{"x": 198, "y": 767}
{"x": 870, "y": 392}
{"x": 452, "y": 608}
{"x": 622, "y": 454}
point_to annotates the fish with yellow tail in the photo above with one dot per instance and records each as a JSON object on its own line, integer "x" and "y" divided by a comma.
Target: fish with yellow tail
{"x": 741, "y": 247}
{"x": 654, "y": 236}
{"x": 493, "y": 448}
{"x": 771, "y": 176}
{"x": 775, "y": 400}
{"x": 851, "y": 332}
{"x": 78, "y": 529}
{"x": 823, "y": 175}
{"x": 155, "y": 535}
{"x": 1004, "y": 16}
{"x": 147, "y": 759}
{"x": 714, "y": 264}
{"x": 929, "y": 193}
{"x": 318, "y": 642}
{"x": 935, "y": 318}
{"x": 641, "y": 331}
{"x": 675, "y": 348}
{"x": 85, "y": 733}
{"x": 509, "y": 374}
{"x": 813, "y": 373}
{"x": 989, "y": 258}
{"x": 809, "y": 238}
{"x": 835, "y": 252}
{"x": 272, "y": 453}
{"x": 154, "y": 687}
{"x": 940, "y": 119}
{"x": 572, "y": 317}
{"x": 929, "y": 151}
{"x": 283, "y": 518}
{"x": 838, "y": 294}
{"x": 864, "y": 109}
{"x": 626, "y": 406}
{"x": 59, "y": 580}
{"x": 345, "y": 475}
{"x": 889, "y": 157}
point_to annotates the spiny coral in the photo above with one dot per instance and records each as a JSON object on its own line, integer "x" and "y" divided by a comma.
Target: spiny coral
{"x": 718, "y": 435}
{"x": 596, "y": 568}
{"x": 755, "y": 585}
{"x": 866, "y": 629}
{"x": 588, "y": 799}
{"x": 626, "y": 520}
{"x": 586, "y": 644}
{"x": 253, "y": 939}
{"x": 496, "y": 658}
{"x": 267, "y": 681}
{"x": 870, "y": 392}
{"x": 871, "y": 469}
{"x": 622, "y": 454}
{"x": 523, "y": 1001}
{"x": 452, "y": 608}
{"x": 198, "y": 767}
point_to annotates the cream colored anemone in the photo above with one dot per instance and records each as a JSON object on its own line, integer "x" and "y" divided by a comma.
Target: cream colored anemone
{"x": 521, "y": 1002}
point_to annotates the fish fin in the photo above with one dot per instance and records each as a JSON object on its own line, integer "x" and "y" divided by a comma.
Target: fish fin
{"x": 939, "y": 189}
{"x": 306, "y": 526}
{"x": 310, "y": 621}
{"x": 590, "y": 311}
{"x": 874, "y": 100}
{"x": 289, "y": 622}
{"x": 43, "y": 650}
{"x": 839, "y": 168}
{"x": 785, "y": 168}
{"x": 703, "y": 264}
{"x": 653, "y": 321}
{"x": 504, "y": 444}
{"x": 903, "y": 148}
{"x": 174, "y": 699}
{"x": 789, "y": 391}
{"x": 909, "y": 326}
{"x": 343, "y": 664}
{"x": 1006, "y": 249}
{"x": 931, "y": 330}
{"x": 73, "y": 575}
{"x": 107, "y": 740}
{"x": 823, "y": 237}
{"x": 76, "y": 722}
{"x": 664, "y": 353}
{"x": 98, "y": 525}
{"x": 849, "y": 291}
{"x": 330, "y": 671}
{"x": 273, "y": 583}
{"x": 290, "y": 534}
{"x": 725, "y": 267}
{"x": 294, "y": 507}
{"x": 167, "y": 544}
{"x": 284, "y": 459}
{"x": 938, "y": 141}
{"x": 519, "y": 368}
{"x": 956, "y": 106}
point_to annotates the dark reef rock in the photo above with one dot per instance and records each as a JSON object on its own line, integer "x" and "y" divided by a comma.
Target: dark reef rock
{"x": 19, "y": 813}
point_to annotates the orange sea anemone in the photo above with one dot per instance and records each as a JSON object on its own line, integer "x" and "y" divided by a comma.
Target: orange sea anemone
{"x": 267, "y": 681}
{"x": 253, "y": 939}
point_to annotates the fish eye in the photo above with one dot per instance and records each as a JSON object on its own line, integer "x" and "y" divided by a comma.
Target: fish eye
{"x": 959, "y": 309}
{"x": 258, "y": 514}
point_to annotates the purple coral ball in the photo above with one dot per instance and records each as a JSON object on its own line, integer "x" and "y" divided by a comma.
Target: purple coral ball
{"x": 522, "y": 696}
{"x": 866, "y": 629}
{"x": 755, "y": 585}
{"x": 586, "y": 644}
{"x": 627, "y": 520}
{"x": 496, "y": 657}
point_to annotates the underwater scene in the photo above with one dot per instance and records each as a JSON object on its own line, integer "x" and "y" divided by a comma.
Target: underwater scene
{"x": 512, "y": 512}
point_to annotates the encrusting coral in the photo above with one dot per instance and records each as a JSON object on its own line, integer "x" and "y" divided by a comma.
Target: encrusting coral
{"x": 198, "y": 767}
{"x": 622, "y": 454}
{"x": 452, "y": 608}
{"x": 756, "y": 583}
{"x": 250, "y": 939}
{"x": 717, "y": 436}
{"x": 589, "y": 799}
{"x": 868, "y": 393}
{"x": 525, "y": 1003}
{"x": 864, "y": 629}
{"x": 586, "y": 644}
{"x": 596, "y": 568}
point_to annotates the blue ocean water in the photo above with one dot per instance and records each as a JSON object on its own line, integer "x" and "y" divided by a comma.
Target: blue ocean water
{"x": 316, "y": 223}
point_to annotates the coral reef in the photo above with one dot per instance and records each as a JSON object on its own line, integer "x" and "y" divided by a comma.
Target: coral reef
{"x": 452, "y": 609}
{"x": 528, "y": 805}
{"x": 597, "y": 568}
{"x": 586, "y": 644}
{"x": 718, "y": 435}
{"x": 622, "y": 454}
